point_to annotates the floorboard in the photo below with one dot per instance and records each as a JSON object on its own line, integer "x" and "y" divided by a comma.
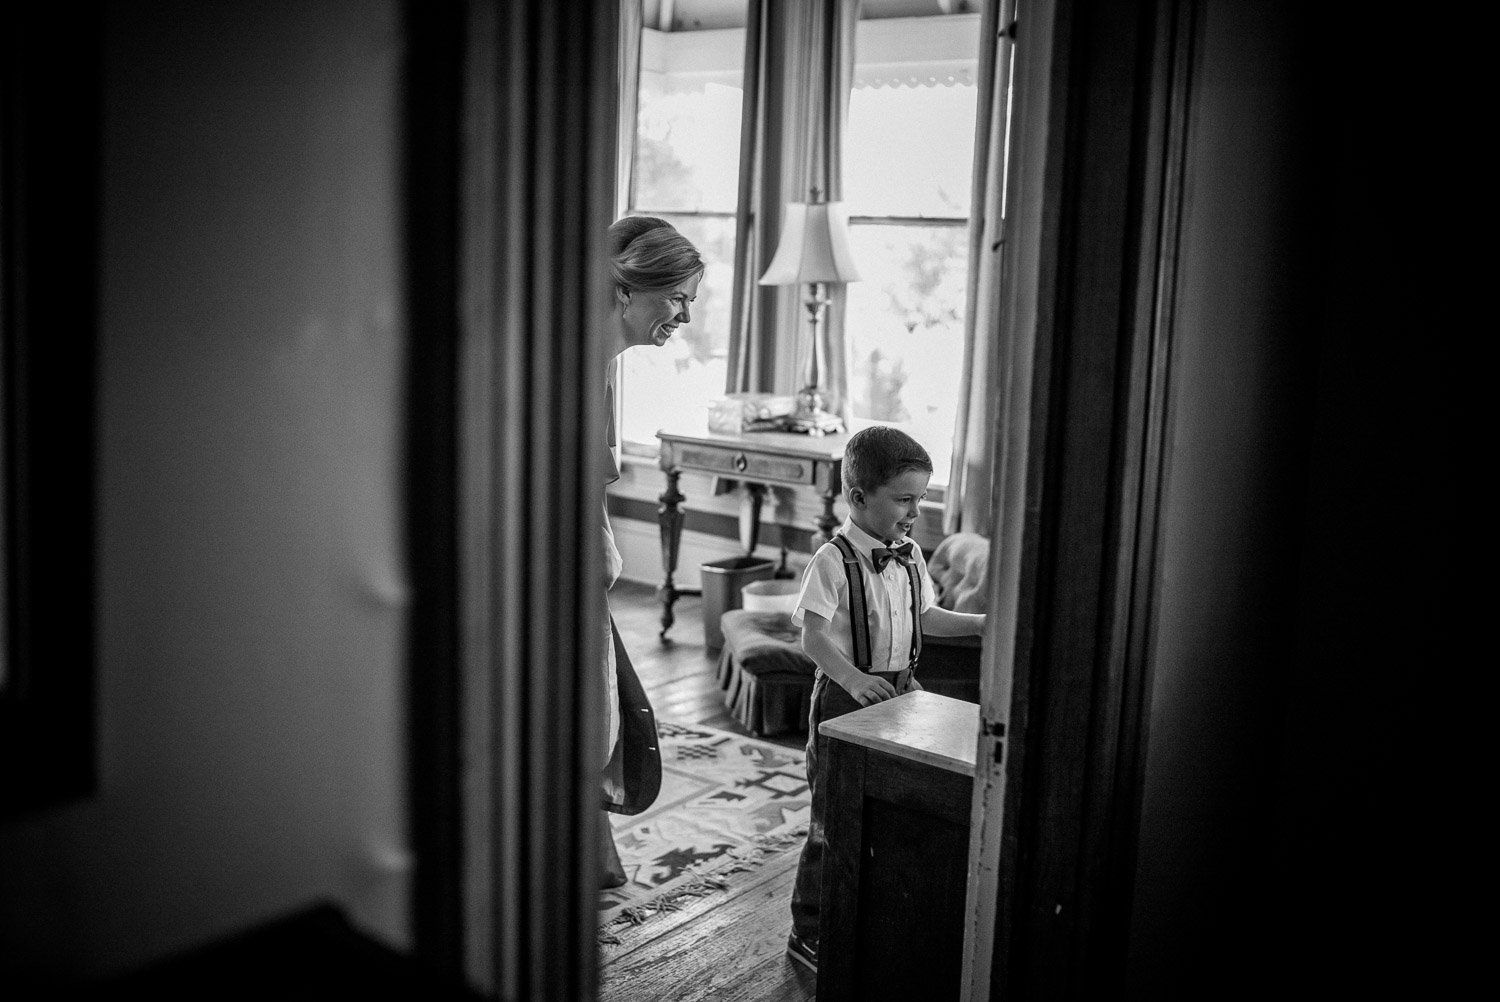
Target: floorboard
{"x": 777, "y": 873}
{"x": 734, "y": 950}
{"x": 730, "y": 946}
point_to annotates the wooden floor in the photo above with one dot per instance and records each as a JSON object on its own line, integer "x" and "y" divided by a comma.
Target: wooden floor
{"x": 729, "y": 946}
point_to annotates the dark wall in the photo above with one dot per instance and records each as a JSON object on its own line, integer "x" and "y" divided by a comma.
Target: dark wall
{"x": 1303, "y": 536}
{"x": 251, "y": 600}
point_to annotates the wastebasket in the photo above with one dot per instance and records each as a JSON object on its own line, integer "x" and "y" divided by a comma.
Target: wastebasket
{"x": 722, "y": 581}
{"x": 775, "y": 595}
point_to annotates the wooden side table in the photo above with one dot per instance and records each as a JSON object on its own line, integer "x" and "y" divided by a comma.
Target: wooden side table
{"x": 899, "y": 777}
{"x": 760, "y": 459}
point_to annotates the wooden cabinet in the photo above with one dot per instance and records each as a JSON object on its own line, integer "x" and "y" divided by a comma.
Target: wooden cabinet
{"x": 899, "y": 779}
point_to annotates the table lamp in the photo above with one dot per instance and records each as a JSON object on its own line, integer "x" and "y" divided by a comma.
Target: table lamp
{"x": 813, "y": 251}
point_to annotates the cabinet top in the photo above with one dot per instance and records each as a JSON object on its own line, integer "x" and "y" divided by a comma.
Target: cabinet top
{"x": 920, "y": 726}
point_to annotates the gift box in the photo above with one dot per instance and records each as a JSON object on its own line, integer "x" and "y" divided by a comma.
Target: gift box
{"x": 741, "y": 412}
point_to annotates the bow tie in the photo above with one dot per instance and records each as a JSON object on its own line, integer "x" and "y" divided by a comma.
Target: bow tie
{"x": 882, "y": 555}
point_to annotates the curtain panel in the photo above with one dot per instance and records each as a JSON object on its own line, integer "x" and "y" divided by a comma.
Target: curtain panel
{"x": 799, "y": 69}
{"x": 538, "y": 193}
{"x": 631, "y": 18}
{"x": 967, "y": 505}
{"x": 629, "y": 74}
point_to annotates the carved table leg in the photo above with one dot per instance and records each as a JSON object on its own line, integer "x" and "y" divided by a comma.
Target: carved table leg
{"x": 755, "y": 494}
{"x": 826, "y": 522}
{"x": 669, "y": 521}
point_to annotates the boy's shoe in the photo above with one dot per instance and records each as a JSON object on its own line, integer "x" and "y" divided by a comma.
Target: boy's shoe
{"x": 803, "y": 951}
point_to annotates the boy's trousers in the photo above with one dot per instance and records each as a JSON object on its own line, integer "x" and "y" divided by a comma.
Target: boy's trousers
{"x": 829, "y": 700}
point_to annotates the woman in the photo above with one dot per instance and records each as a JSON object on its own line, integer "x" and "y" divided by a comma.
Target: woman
{"x": 656, "y": 272}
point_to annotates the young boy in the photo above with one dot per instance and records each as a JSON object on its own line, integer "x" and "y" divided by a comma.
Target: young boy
{"x": 865, "y": 645}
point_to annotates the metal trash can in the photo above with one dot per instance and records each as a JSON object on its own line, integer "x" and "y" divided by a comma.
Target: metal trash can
{"x": 722, "y": 581}
{"x": 775, "y": 595}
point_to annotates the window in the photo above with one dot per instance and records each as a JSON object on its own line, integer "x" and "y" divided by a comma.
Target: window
{"x": 908, "y": 168}
{"x": 686, "y": 171}
{"x": 907, "y": 186}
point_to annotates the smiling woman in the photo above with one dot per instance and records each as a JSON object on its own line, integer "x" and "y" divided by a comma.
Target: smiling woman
{"x": 655, "y": 271}
{"x": 652, "y": 315}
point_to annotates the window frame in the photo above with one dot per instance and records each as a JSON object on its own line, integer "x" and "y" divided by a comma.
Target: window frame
{"x": 892, "y": 49}
{"x": 654, "y": 50}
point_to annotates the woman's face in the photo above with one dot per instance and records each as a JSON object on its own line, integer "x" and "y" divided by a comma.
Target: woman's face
{"x": 651, "y": 317}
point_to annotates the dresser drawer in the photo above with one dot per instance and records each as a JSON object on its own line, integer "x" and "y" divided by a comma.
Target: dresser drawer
{"x": 745, "y": 463}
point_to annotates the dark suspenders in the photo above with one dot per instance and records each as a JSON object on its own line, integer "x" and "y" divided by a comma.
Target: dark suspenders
{"x": 859, "y": 620}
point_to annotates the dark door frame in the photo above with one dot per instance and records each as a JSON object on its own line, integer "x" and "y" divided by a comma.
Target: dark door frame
{"x": 1085, "y": 420}
{"x": 433, "y": 102}
{"x": 511, "y": 142}
{"x": 51, "y": 107}
{"x": 507, "y": 198}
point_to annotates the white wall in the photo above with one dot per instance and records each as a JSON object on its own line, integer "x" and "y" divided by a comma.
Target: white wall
{"x": 252, "y": 600}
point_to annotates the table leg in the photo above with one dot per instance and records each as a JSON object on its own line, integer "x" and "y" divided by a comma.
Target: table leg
{"x": 669, "y": 523}
{"x": 826, "y": 522}
{"x": 755, "y": 495}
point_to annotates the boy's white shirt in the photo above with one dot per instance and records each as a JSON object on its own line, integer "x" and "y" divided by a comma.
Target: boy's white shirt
{"x": 887, "y": 598}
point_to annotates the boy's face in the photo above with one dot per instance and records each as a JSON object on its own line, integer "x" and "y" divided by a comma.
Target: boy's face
{"x": 889, "y": 511}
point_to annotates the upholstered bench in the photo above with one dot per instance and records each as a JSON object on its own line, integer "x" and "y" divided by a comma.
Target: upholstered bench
{"x": 767, "y": 679}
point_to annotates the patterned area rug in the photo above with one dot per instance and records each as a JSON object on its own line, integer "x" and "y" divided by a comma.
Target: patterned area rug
{"x": 727, "y": 804}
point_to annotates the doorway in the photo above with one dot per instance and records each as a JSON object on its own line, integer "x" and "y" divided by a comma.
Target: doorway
{"x": 535, "y": 181}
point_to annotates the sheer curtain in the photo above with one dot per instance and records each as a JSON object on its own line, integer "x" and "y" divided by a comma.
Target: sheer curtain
{"x": 967, "y": 505}
{"x": 629, "y": 74}
{"x": 631, "y": 17}
{"x": 799, "y": 68}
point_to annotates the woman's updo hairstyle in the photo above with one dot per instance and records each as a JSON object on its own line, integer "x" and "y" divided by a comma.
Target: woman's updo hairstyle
{"x": 648, "y": 254}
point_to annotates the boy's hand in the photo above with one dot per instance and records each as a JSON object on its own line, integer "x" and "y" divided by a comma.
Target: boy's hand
{"x": 870, "y": 689}
{"x": 867, "y": 690}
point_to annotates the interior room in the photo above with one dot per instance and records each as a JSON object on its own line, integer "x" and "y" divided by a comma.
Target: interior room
{"x": 302, "y": 385}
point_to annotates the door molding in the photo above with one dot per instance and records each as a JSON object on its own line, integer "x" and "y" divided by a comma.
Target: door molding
{"x": 433, "y": 99}
{"x": 1101, "y": 110}
{"x": 536, "y": 169}
{"x": 51, "y": 109}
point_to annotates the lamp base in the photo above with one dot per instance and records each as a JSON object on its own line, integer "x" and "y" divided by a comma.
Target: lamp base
{"x": 810, "y": 417}
{"x": 815, "y": 423}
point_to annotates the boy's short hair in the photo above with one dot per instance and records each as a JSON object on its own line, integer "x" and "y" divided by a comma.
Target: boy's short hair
{"x": 878, "y": 454}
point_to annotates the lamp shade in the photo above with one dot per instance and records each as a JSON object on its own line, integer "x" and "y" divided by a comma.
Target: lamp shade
{"x": 814, "y": 246}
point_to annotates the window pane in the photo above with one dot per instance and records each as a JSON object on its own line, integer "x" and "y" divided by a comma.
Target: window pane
{"x": 905, "y": 330}
{"x": 687, "y": 171}
{"x": 687, "y": 144}
{"x": 909, "y": 155}
{"x": 674, "y": 383}
{"x": 910, "y": 151}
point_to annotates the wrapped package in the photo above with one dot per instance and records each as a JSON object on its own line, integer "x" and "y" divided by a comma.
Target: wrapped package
{"x": 741, "y": 412}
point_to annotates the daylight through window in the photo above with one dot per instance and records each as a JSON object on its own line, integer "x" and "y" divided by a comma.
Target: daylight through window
{"x": 687, "y": 171}
{"x": 907, "y": 186}
{"x": 908, "y": 169}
